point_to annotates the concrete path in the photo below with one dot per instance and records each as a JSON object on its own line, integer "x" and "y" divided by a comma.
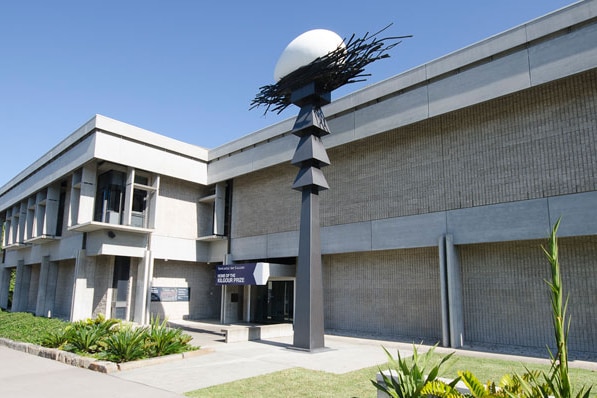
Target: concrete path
{"x": 24, "y": 375}
{"x": 28, "y": 376}
{"x": 234, "y": 361}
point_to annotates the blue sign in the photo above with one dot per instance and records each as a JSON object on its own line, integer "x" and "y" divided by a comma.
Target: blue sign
{"x": 242, "y": 274}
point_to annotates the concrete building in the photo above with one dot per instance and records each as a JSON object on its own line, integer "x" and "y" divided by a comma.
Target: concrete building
{"x": 445, "y": 180}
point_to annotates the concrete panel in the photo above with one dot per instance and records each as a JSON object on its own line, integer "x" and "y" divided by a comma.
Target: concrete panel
{"x": 150, "y": 138}
{"x": 394, "y": 112}
{"x": 74, "y": 158}
{"x": 278, "y": 150}
{"x": 148, "y": 158}
{"x": 169, "y": 248}
{"x": 66, "y": 248}
{"x": 254, "y": 247}
{"x": 216, "y": 251}
{"x": 52, "y": 153}
{"x": 236, "y": 164}
{"x": 252, "y": 139}
{"x": 499, "y": 77}
{"x": 564, "y": 55}
{"x": 561, "y": 19}
{"x": 577, "y": 213}
{"x": 123, "y": 244}
{"x": 403, "y": 81}
{"x": 476, "y": 52}
{"x": 284, "y": 244}
{"x": 353, "y": 237}
{"x": 341, "y": 130}
{"x": 499, "y": 223}
{"x": 408, "y": 232}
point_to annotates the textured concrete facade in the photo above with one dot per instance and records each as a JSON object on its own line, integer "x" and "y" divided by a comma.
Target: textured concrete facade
{"x": 205, "y": 296}
{"x": 386, "y": 293}
{"x": 444, "y": 181}
{"x": 507, "y": 300}
{"x": 508, "y": 150}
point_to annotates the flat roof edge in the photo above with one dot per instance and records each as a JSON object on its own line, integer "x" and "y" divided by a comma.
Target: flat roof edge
{"x": 533, "y": 30}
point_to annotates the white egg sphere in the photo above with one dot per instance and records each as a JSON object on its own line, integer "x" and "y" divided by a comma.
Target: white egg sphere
{"x": 305, "y": 49}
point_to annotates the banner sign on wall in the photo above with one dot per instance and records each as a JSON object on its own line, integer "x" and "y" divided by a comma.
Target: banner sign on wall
{"x": 166, "y": 294}
{"x": 242, "y": 274}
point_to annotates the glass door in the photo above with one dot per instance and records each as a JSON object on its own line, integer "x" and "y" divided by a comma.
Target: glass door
{"x": 274, "y": 302}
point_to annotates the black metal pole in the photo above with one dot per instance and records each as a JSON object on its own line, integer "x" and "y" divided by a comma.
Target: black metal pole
{"x": 310, "y": 156}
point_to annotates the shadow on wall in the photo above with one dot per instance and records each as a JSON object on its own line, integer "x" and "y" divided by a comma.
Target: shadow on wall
{"x": 156, "y": 308}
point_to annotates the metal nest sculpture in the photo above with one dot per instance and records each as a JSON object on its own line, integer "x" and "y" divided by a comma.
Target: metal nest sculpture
{"x": 344, "y": 65}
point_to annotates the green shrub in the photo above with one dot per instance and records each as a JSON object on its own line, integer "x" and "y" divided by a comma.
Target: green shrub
{"x": 409, "y": 377}
{"x": 83, "y": 337}
{"x": 556, "y": 382}
{"x": 55, "y": 339}
{"x": 126, "y": 344}
{"x": 163, "y": 340}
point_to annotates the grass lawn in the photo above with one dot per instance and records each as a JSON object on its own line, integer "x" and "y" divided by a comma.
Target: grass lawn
{"x": 299, "y": 382}
{"x": 25, "y": 327}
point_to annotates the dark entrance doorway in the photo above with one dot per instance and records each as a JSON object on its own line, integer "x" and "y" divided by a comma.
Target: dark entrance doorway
{"x": 120, "y": 284}
{"x": 275, "y": 302}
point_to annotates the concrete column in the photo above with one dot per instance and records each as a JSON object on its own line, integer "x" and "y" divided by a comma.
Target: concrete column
{"x": 4, "y": 286}
{"x": 82, "y": 303}
{"x": 128, "y": 196}
{"x": 142, "y": 291}
{"x": 247, "y": 303}
{"x": 455, "y": 295}
{"x": 41, "y": 287}
{"x": 87, "y": 194}
{"x": 219, "y": 209}
{"x": 51, "y": 286}
{"x": 443, "y": 275}
{"x": 22, "y": 283}
{"x": 46, "y": 293}
{"x": 51, "y": 213}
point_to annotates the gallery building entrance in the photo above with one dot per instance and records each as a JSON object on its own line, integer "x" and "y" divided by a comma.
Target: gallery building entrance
{"x": 261, "y": 293}
{"x": 274, "y": 302}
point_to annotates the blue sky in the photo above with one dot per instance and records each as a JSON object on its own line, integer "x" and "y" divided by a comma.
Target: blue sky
{"x": 189, "y": 69}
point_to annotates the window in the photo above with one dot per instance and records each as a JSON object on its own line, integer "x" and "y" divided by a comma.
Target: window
{"x": 109, "y": 205}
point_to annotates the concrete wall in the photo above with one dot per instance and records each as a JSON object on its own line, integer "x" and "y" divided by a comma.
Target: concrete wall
{"x": 394, "y": 294}
{"x": 33, "y": 288}
{"x": 64, "y": 289}
{"x": 102, "y": 283}
{"x": 205, "y": 296}
{"x": 501, "y": 170}
{"x": 506, "y": 300}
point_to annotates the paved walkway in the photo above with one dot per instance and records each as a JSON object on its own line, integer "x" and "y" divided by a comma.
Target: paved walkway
{"x": 28, "y": 376}
{"x": 23, "y": 375}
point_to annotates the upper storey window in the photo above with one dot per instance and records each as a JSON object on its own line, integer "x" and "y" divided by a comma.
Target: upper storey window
{"x": 110, "y": 197}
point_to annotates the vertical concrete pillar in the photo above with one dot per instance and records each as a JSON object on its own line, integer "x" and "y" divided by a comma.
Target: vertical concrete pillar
{"x": 247, "y": 303}
{"x": 4, "y": 286}
{"x": 142, "y": 291}
{"x": 41, "y": 287}
{"x": 443, "y": 275}
{"x": 455, "y": 294}
{"x": 128, "y": 196}
{"x": 219, "y": 209}
{"x": 82, "y": 301}
{"x": 46, "y": 293}
{"x": 50, "y": 221}
{"x": 51, "y": 286}
{"x": 22, "y": 283}
{"x": 87, "y": 194}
